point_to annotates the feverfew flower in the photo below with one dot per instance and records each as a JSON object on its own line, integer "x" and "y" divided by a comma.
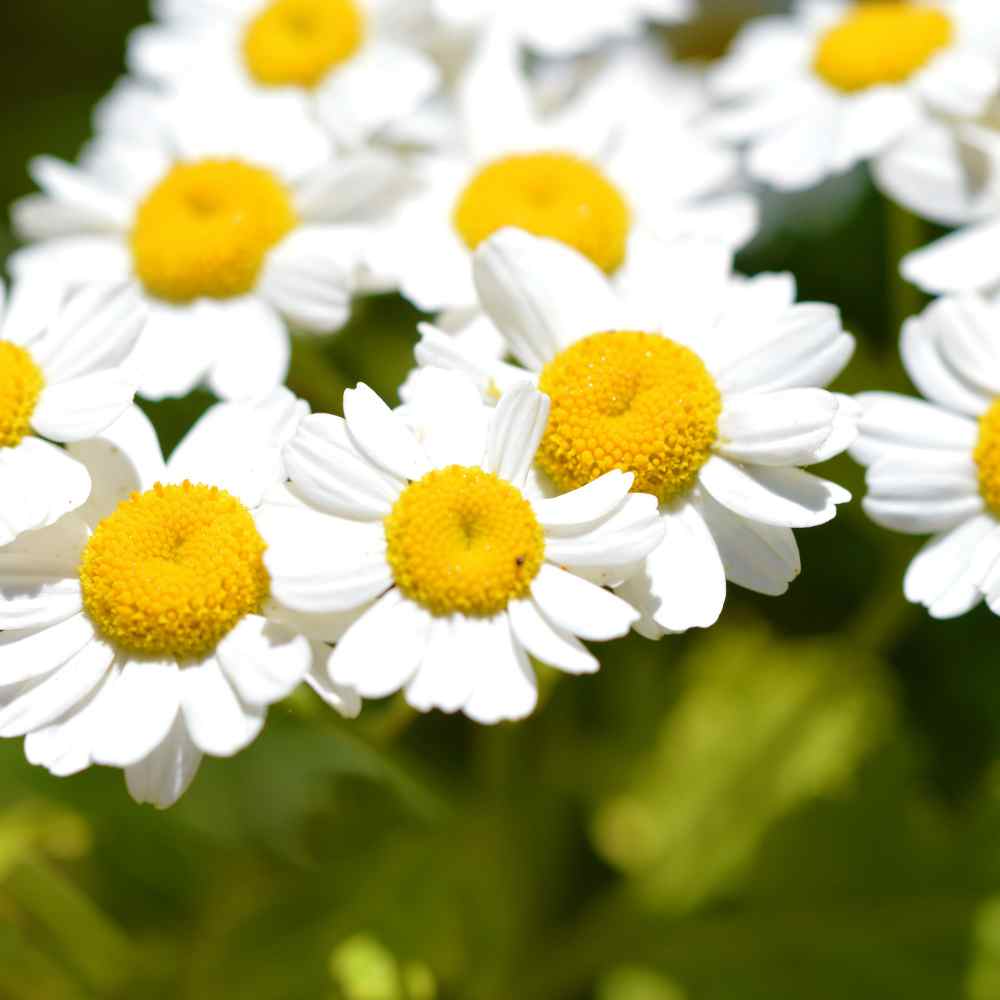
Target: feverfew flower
{"x": 349, "y": 62}
{"x": 838, "y": 82}
{"x": 700, "y": 384}
{"x": 61, "y": 379}
{"x": 453, "y": 572}
{"x": 139, "y": 631}
{"x": 233, "y": 226}
{"x": 591, "y": 174}
{"x": 934, "y": 467}
{"x": 562, "y": 27}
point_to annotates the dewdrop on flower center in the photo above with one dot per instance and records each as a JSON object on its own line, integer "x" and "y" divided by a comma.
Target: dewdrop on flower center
{"x": 632, "y": 401}
{"x": 881, "y": 42}
{"x": 298, "y": 42}
{"x": 173, "y": 570}
{"x": 206, "y": 228}
{"x": 461, "y": 540}
{"x": 21, "y": 383}
{"x": 555, "y": 195}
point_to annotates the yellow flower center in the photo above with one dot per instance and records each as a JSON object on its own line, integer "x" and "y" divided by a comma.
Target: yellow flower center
{"x": 297, "y": 42}
{"x": 206, "y": 228}
{"x": 987, "y": 457}
{"x": 557, "y": 195}
{"x": 173, "y": 570}
{"x": 21, "y": 383}
{"x": 631, "y": 401}
{"x": 463, "y": 541}
{"x": 881, "y": 42}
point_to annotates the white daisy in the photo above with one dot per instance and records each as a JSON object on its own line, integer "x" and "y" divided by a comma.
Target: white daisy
{"x": 139, "y": 631}
{"x": 934, "y": 467}
{"x": 563, "y": 27}
{"x": 701, "y": 384}
{"x": 456, "y": 573}
{"x": 61, "y": 379}
{"x": 234, "y": 226}
{"x": 837, "y": 82}
{"x": 592, "y": 174}
{"x": 350, "y": 62}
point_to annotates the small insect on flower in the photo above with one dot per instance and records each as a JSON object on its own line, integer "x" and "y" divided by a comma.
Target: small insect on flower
{"x": 702, "y": 386}
{"x": 418, "y": 525}
{"x": 815, "y": 92}
{"x": 61, "y": 379}
{"x": 140, "y": 631}
{"x": 934, "y": 466}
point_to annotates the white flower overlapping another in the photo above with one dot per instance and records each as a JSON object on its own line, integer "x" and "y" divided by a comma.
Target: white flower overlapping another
{"x": 743, "y": 341}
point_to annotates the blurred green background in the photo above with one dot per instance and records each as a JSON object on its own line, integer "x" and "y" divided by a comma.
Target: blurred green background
{"x": 803, "y": 802}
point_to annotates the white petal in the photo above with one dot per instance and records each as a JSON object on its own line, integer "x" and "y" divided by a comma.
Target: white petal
{"x": 64, "y": 746}
{"x": 264, "y": 661}
{"x": 901, "y": 425}
{"x": 547, "y": 642}
{"x": 584, "y": 508}
{"x": 382, "y": 435}
{"x": 139, "y": 712}
{"x": 96, "y": 329}
{"x": 580, "y": 607}
{"x": 348, "y": 187}
{"x": 784, "y": 497}
{"x": 36, "y": 704}
{"x": 310, "y": 276}
{"x": 252, "y": 353}
{"x": 792, "y": 427}
{"x": 219, "y": 722}
{"x": 330, "y": 472}
{"x": 515, "y": 433}
{"x": 447, "y": 673}
{"x": 344, "y": 700}
{"x": 166, "y": 774}
{"x": 542, "y": 295}
{"x": 760, "y": 557}
{"x": 505, "y": 688}
{"x": 946, "y": 575}
{"x": 94, "y": 208}
{"x": 684, "y": 574}
{"x": 39, "y": 483}
{"x": 84, "y": 406}
{"x": 37, "y": 589}
{"x": 25, "y": 655}
{"x": 382, "y": 650}
{"x": 918, "y": 495}
{"x": 967, "y": 260}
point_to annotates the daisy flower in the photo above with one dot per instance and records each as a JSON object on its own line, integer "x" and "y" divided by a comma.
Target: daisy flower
{"x": 61, "y": 379}
{"x": 589, "y": 174}
{"x": 453, "y": 573}
{"x": 233, "y": 227}
{"x": 349, "y": 62}
{"x": 934, "y": 465}
{"x": 837, "y": 82}
{"x": 139, "y": 631}
{"x": 563, "y": 27}
{"x": 701, "y": 385}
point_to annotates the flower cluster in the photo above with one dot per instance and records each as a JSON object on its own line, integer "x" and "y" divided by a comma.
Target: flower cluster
{"x": 606, "y": 423}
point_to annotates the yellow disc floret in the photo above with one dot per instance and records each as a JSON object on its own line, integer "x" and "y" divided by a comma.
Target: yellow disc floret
{"x": 881, "y": 42}
{"x": 173, "y": 570}
{"x": 463, "y": 541}
{"x": 21, "y": 383}
{"x": 206, "y": 228}
{"x": 987, "y": 457}
{"x": 556, "y": 195}
{"x": 632, "y": 401}
{"x": 295, "y": 43}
